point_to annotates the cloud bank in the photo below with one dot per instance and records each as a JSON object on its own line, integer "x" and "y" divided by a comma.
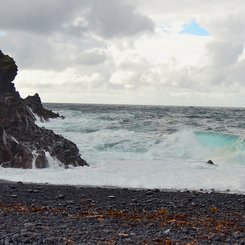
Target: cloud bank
{"x": 133, "y": 51}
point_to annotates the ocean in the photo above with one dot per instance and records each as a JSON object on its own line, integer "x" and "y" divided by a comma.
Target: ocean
{"x": 165, "y": 147}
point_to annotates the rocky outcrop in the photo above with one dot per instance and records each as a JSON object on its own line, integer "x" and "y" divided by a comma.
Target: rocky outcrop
{"x": 34, "y": 102}
{"x": 8, "y": 71}
{"x": 210, "y": 162}
{"x": 22, "y": 143}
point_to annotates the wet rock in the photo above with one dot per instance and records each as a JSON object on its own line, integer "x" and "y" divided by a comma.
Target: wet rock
{"x": 242, "y": 242}
{"x": 238, "y": 235}
{"x": 66, "y": 152}
{"x": 41, "y": 160}
{"x": 166, "y": 232}
{"x": 6, "y": 144}
{"x": 14, "y": 196}
{"x": 23, "y": 159}
{"x": 6, "y": 241}
{"x": 22, "y": 143}
{"x": 111, "y": 197}
{"x": 36, "y": 191}
{"x": 15, "y": 237}
{"x": 210, "y": 162}
{"x": 34, "y": 102}
{"x": 149, "y": 192}
{"x": 60, "y": 196}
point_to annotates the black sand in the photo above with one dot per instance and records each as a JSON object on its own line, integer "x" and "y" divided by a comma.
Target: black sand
{"x": 46, "y": 214}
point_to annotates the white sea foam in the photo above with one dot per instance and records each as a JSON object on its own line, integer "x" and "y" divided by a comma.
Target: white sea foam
{"x": 146, "y": 149}
{"x": 34, "y": 158}
{"x": 138, "y": 174}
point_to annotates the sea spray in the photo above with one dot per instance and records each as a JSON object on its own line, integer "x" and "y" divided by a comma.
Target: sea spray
{"x": 34, "y": 158}
{"x": 148, "y": 147}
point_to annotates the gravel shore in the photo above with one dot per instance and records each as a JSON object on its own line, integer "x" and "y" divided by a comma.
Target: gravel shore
{"x": 46, "y": 214}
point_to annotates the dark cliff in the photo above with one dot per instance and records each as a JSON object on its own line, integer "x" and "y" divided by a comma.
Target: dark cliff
{"x": 8, "y": 71}
{"x": 22, "y": 143}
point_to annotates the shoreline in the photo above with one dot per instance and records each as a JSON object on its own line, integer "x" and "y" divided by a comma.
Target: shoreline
{"x": 228, "y": 192}
{"x": 58, "y": 214}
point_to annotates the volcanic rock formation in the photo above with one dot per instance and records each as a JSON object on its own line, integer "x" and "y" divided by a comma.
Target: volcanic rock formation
{"x": 22, "y": 143}
{"x": 8, "y": 71}
{"x": 34, "y": 102}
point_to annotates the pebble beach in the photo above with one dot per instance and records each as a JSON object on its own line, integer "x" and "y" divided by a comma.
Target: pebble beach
{"x": 49, "y": 214}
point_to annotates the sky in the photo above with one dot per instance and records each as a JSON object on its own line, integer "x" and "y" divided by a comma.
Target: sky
{"x": 157, "y": 52}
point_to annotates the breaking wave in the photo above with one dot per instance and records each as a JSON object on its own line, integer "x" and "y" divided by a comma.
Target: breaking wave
{"x": 148, "y": 147}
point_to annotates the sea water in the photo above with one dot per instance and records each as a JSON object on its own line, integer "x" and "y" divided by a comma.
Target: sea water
{"x": 162, "y": 147}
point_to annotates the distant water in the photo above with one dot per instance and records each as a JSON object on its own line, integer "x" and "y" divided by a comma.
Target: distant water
{"x": 148, "y": 147}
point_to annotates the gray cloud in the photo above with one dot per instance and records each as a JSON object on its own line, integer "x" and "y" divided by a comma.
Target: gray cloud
{"x": 226, "y": 65}
{"x": 190, "y": 7}
{"x": 60, "y": 34}
{"x": 35, "y": 52}
{"x": 224, "y": 52}
{"x": 90, "y": 46}
{"x": 52, "y": 52}
{"x": 36, "y": 16}
{"x": 111, "y": 18}
{"x": 92, "y": 57}
{"x": 107, "y": 18}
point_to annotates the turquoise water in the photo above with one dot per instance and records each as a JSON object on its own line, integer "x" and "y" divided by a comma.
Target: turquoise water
{"x": 219, "y": 140}
{"x": 113, "y": 132}
{"x": 148, "y": 147}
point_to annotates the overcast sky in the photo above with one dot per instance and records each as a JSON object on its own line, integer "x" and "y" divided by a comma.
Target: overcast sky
{"x": 178, "y": 52}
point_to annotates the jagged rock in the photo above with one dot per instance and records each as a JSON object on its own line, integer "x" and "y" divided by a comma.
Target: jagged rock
{"x": 5, "y": 154}
{"x": 13, "y": 153}
{"x": 34, "y": 102}
{"x": 22, "y": 143}
{"x": 24, "y": 157}
{"x": 8, "y": 71}
{"x": 66, "y": 152}
{"x": 41, "y": 160}
{"x": 210, "y": 162}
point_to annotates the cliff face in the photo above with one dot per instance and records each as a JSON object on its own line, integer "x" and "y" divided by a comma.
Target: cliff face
{"x": 22, "y": 143}
{"x": 8, "y": 71}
